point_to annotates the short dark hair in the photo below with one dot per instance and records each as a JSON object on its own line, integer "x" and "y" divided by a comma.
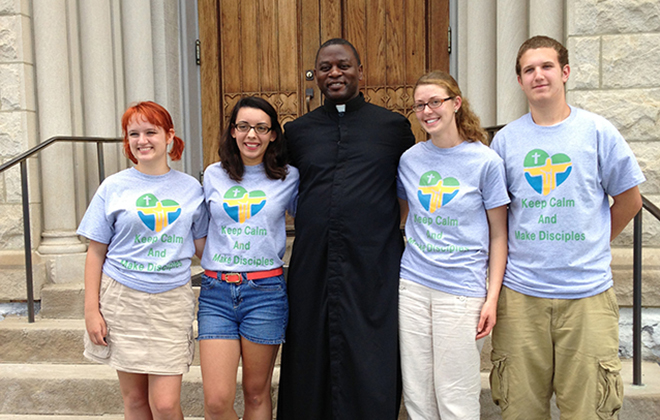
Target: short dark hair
{"x": 541, "y": 41}
{"x": 275, "y": 156}
{"x": 337, "y": 41}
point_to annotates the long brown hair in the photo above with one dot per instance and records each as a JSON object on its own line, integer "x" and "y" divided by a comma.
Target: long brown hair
{"x": 467, "y": 122}
{"x": 274, "y": 158}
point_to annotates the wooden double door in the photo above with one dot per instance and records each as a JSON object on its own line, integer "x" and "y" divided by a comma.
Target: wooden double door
{"x": 268, "y": 48}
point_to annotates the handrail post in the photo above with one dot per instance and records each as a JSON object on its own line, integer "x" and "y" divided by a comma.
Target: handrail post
{"x": 637, "y": 299}
{"x": 27, "y": 241}
{"x": 101, "y": 161}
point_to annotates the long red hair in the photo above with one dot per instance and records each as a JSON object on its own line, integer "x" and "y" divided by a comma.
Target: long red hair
{"x": 156, "y": 115}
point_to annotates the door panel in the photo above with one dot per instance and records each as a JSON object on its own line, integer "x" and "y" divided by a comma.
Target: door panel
{"x": 264, "y": 47}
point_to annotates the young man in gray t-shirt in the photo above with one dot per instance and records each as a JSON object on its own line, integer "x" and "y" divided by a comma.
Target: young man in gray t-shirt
{"x": 557, "y": 318}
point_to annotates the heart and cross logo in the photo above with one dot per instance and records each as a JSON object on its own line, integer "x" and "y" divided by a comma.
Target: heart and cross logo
{"x": 434, "y": 191}
{"x": 544, "y": 173}
{"x": 241, "y": 204}
{"x": 156, "y": 214}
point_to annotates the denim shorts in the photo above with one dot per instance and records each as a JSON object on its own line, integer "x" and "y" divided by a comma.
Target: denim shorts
{"x": 257, "y": 310}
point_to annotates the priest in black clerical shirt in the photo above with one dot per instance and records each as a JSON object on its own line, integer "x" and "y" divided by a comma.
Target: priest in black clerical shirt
{"x": 340, "y": 359}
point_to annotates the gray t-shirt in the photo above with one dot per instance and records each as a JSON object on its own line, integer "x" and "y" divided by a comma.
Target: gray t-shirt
{"x": 559, "y": 178}
{"x": 149, "y": 223}
{"x": 448, "y": 192}
{"x": 247, "y": 231}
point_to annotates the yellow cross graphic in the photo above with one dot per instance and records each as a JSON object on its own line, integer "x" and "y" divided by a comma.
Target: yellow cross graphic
{"x": 243, "y": 204}
{"x": 437, "y": 191}
{"x": 549, "y": 173}
{"x": 160, "y": 212}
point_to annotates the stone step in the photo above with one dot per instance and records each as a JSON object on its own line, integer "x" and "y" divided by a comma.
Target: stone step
{"x": 44, "y": 341}
{"x": 67, "y": 301}
{"x": 47, "y": 341}
{"x": 51, "y": 417}
{"x": 622, "y": 272}
{"x": 61, "y": 340}
{"x": 80, "y": 392}
{"x": 89, "y": 390}
{"x": 12, "y": 275}
{"x": 63, "y": 301}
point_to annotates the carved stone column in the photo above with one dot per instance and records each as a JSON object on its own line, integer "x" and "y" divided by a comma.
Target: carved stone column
{"x": 98, "y": 80}
{"x": 138, "y": 50}
{"x": 546, "y": 17}
{"x": 512, "y": 19}
{"x": 54, "y": 115}
{"x": 481, "y": 44}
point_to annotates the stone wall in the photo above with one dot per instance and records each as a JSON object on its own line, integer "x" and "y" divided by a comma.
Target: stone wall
{"x": 18, "y": 130}
{"x": 614, "y": 48}
{"x": 17, "y": 116}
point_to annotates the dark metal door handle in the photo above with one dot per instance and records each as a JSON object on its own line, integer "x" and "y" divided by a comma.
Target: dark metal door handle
{"x": 309, "y": 95}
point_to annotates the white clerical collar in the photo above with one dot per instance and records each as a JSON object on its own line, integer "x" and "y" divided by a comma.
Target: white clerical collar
{"x": 341, "y": 108}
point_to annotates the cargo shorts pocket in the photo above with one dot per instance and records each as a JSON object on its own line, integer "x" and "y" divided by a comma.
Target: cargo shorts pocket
{"x": 499, "y": 383}
{"x": 610, "y": 389}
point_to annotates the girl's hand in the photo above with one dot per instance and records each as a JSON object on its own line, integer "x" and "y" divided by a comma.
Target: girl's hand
{"x": 96, "y": 328}
{"x": 487, "y": 319}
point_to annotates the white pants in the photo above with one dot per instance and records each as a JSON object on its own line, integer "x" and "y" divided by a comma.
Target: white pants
{"x": 440, "y": 358}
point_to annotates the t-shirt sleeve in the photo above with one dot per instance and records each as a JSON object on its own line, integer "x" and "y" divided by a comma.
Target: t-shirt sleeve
{"x": 292, "y": 205}
{"x": 400, "y": 189}
{"x": 618, "y": 167}
{"x": 496, "y": 144}
{"x": 494, "y": 190}
{"x": 200, "y": 226}
{"x": 96, "y": 224}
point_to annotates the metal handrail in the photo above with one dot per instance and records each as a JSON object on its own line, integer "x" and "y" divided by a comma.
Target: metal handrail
{"x": 637, "y": 287}
{"x": 22, "y": 160}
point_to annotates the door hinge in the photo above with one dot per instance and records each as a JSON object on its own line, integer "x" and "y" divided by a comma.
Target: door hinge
{"x": 198, "y": 52}
{"x": 448, "y": 39}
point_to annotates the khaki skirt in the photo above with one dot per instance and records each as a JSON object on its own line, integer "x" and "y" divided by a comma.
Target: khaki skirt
{"x": 149, "y": 333}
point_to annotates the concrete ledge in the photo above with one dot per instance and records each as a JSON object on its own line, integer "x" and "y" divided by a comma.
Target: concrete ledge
{"x": 84, "y": 390}
{"x": 12, "y": 276}
{"x": 44, "y": 341}
{"x": 49, "y": 417}
{"x": 93, "y": 390}
{"x": 63, "y": 300}
{"x": 48, "y": 341}
{"x": 67, "y": 301}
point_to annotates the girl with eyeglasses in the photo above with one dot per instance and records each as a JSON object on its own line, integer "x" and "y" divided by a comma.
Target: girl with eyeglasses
{"x": 453, "y": 197}
{"x": 243, "y": 306}
{"x": 144, "y": 225}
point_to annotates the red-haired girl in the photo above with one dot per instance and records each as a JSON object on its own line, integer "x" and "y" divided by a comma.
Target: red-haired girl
{"x": 144, "y": 225}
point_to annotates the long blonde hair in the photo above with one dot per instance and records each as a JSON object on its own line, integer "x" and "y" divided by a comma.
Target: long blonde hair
{"x": 467, "y": 122}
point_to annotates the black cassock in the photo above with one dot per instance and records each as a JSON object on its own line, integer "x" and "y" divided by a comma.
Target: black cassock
{"x": 340, "y": 359}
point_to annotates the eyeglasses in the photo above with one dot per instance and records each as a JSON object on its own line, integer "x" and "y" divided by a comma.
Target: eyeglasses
{"x": 243, "y": 127}
{"x": 433, "y": 104}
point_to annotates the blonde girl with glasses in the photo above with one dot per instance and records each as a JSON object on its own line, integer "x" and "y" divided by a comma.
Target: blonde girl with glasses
{"x": 453, "y": 198}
